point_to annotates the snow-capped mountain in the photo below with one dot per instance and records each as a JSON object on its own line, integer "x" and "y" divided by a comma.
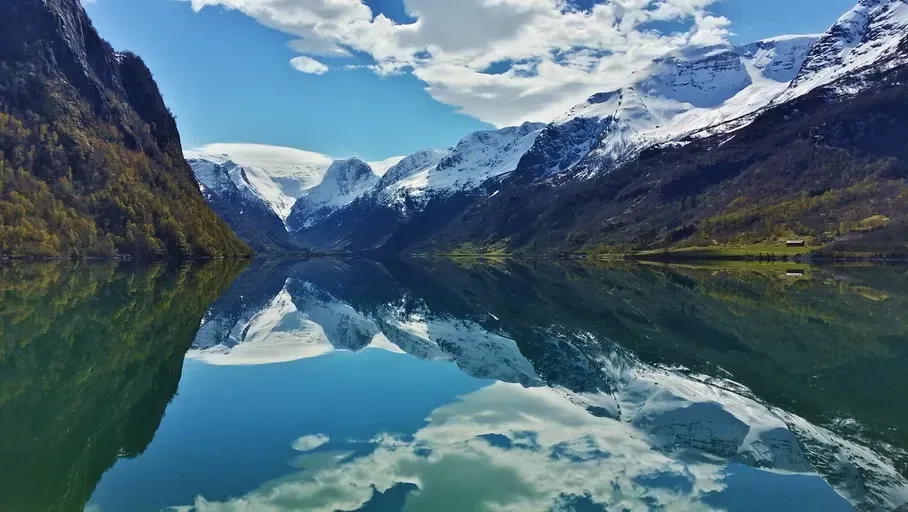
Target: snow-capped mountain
{"x": 868, "y": 36}
{"x": 255, "y": 187}
{"x": 344, "y": 181}
{"x": 365, "y": 218}
{"x": 226, "y": 188}
{"x": 685, "y": 91}
{"x": 690, "y": 93}
{"x": 276, "y": 175}
{"x": 718, "y": 89}
{"x": 406, "y": 187}
{"x": 477, "y": 157}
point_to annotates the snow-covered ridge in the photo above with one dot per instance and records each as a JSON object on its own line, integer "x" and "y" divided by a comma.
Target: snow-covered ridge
{"x": 685, "y": 91}
{"x": 427, "y": 174}
{"x": 344, "y": 182}
{"x": 477, "y": 158}
{"x": 868, "y": 35}
{"x": 279, "y": 176}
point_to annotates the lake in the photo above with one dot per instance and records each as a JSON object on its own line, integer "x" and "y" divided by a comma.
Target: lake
{"x": 437, "y": 385}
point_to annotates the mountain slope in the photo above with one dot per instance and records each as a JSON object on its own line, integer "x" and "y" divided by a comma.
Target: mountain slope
{"x": 92, "y": 163}
{"x": 827, "y": 165}
{"x": 867, "y": 36}
{"x": 344, "y": 182}
{"x": 251, "y": 216}
{"x": 817, "y": 167}
{"x": 412, "y": 189}
{"x": 685, "y": 91}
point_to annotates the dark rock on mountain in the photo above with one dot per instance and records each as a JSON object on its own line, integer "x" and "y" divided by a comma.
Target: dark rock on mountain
{"x": 344, "y": 182}
{"x": 250, "y": 216}
{"x": 91, "y": 160}
{"x": 828, "y": 164}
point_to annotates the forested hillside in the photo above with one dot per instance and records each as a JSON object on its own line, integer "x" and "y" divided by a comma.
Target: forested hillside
{"x": 90, "y": 158}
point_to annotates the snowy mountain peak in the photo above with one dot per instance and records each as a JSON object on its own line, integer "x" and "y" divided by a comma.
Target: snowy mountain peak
{"x": 682, "y": 92}
{"x": 344, "y": 182}
{"x": 867, "y": 36}
{"x": 419, "y": 161}
{"x": 701, "y": 76}
{"x": 483, "y": 148}
{"x": 779, "y": 58}
{"x": 381, "y": 167}
{"x": 347, "y": 175}
{"x": 275, "y": 175}
{"x": 496, "y": 137}
{"x": 477, "y": 158}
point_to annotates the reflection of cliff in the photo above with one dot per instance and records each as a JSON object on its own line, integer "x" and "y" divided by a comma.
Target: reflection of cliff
{"x": 90, "y": 356}
{"x": 822, "y": 349}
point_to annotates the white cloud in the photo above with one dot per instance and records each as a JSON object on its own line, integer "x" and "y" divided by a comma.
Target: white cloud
{"x": 308, "y": 65}
{"x": 551, "y": 55}
{"x": 309, "y": 443}
{"x": 556, "y": 450}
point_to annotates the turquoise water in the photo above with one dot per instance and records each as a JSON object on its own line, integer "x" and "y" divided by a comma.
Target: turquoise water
{"x": 435, "y": 385}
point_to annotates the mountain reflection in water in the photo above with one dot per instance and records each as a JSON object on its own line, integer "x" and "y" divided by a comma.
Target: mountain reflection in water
{"x": 437, "y": 385}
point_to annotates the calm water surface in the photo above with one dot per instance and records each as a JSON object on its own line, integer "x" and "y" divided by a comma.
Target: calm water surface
{"x": 333, "y": 385}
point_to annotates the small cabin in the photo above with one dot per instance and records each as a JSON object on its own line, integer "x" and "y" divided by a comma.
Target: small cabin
{"x": 796, "y": 243}
{"x": 794, "y": 273}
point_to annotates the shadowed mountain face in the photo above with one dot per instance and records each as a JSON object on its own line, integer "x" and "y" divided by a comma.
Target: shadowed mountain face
{"x": 819, "y": 355}
{"x": 90, "y": 356}
{"x": 90, "y": 157}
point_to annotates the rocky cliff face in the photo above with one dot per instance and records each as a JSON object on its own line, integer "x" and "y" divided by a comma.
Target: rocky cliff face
{"x": 99, "y": 167}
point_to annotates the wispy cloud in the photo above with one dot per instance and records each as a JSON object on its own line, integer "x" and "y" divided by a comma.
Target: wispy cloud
{"x": 502, "y": 61}
{"x": 308, "y": 65}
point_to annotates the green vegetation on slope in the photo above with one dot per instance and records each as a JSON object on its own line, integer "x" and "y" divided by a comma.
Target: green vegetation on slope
{"x": 90, "y": 158}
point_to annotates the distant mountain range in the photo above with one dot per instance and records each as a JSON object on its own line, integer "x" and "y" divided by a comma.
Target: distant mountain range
{"x": 669, "y": 159}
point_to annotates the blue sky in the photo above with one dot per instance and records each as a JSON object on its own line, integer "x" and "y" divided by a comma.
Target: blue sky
{"x": 228, "y": 77}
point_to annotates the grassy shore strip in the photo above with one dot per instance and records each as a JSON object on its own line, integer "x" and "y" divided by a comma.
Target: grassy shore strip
{"x": 759, "y": 252}
{"x": 765, "y": 252}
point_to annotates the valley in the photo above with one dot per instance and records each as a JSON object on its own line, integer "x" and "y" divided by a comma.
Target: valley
{"x": 730, "y": 149}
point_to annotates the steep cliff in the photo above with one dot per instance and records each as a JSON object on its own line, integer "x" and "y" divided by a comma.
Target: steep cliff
{"x": 90, "y": 157}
